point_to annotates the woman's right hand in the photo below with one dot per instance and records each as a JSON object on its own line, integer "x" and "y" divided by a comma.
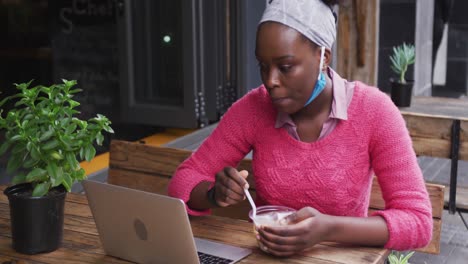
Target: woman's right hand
{"x": 229, "y": 186}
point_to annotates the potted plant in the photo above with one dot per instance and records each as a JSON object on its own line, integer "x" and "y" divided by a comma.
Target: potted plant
{"x": 402, "y": 89}
{"x": 399, "y": 258}
{"x": 45, "y": 140}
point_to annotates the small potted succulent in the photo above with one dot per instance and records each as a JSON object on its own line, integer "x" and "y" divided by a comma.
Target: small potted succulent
{"x": 44, "y": 141}
{"x": 399, "y": 258}
{"x": 402, "y": 89}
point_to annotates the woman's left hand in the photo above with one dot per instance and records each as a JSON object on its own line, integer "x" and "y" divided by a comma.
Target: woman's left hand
{"x": 305, "y": 228}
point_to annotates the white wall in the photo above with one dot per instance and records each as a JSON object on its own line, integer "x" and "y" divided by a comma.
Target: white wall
{"x": 423, "y": 43}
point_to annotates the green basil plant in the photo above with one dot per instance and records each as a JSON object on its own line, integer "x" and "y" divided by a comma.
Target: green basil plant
{"x": 45, "y": 139}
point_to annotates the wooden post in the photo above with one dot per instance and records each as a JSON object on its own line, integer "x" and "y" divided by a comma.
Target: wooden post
{"x": 357, "y": 40}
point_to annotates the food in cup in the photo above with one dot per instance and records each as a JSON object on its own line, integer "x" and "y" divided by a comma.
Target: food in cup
{"x": 269, "y": 215}
{"x": 271, "y": 219}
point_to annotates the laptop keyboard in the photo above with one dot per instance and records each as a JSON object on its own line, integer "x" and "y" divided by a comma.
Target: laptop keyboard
{"x": 210, "y": 259}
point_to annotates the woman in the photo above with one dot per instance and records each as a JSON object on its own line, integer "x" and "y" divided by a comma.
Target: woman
{"x": 317, "y": 140}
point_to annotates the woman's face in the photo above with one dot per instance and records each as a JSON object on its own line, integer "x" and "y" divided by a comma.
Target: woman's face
{"x": 289, "y": 65}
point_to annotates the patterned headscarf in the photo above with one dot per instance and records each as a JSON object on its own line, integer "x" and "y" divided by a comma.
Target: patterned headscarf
{"x": 312, "y": 18}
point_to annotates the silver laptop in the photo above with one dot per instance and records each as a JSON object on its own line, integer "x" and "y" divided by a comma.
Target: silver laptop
{"x": 150, "y": 228}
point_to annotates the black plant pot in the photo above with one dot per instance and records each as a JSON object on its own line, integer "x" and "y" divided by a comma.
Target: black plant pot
{"x": 401, "y": 93}
{"x": 36, "y": 222}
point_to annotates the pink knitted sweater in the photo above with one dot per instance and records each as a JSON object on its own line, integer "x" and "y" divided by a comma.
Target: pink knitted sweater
{"x": 333, "y": 175}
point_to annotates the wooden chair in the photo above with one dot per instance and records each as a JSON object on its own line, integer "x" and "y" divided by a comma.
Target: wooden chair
{"x": 149, "y": 168}
{"x": 439, "y": 128}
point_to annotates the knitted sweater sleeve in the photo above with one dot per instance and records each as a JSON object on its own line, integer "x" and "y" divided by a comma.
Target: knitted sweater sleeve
{"x": 226, "y": 146}
{"x": 408, "y": 211}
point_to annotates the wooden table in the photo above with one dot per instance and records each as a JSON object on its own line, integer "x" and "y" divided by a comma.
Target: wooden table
{"x": 439, "y": 128}
{"x": 81, "y": 242}
{"x": 451, "y": 108}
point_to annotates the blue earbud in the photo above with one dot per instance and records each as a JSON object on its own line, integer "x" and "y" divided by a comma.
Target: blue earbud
{"x": 321, "y": 81}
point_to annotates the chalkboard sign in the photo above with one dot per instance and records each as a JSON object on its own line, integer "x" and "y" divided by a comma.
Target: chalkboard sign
{"x": 84, "y": 47}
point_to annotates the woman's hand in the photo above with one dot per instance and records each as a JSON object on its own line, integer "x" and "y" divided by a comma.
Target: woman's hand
{"x": 229, "y": 186}
{"x": 305, "y": 228}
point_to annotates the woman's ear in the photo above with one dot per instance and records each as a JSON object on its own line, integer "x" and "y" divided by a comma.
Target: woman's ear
{"x": 327, "y": 59}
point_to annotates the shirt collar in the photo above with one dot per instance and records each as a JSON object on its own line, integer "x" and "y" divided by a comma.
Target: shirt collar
{"x": 340, "y": 103}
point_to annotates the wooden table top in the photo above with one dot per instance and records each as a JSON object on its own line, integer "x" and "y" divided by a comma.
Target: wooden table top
{"x": 450, "y": 108}
{"x": 81, "y": 243}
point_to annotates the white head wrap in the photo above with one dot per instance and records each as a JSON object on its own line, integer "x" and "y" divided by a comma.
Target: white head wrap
{"x": 312, "y": 18}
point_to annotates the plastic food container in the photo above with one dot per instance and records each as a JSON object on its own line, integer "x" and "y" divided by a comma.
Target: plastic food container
{"x": 269, "y": 215}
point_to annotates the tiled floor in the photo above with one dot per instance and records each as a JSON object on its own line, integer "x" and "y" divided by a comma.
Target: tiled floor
{"x": 453, "y": 243}
{"x": 438, "y": 170}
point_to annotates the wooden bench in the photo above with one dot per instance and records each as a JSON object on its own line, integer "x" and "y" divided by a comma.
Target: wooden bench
{"x": 439, "y": 128}
{"x": 149, "y": 168}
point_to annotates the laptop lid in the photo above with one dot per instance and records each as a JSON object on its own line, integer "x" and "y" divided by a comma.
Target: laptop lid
{"x": 146, "y": 227}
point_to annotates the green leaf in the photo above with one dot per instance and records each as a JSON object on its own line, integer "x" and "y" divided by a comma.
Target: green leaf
{"x": 93, "y": 127}
{"x": 25, "y": 123}
{"x": 50, "y": 145}
{"x": 396, "y": 257}
{"x": 52, "y": 170}
{"x": 64, "y": 122}
{"x": 71, "y": 160}
{"x": 90, "y": 152}
{"x": 29, "y": 145}
{"x": 99, "y": 139}
{"x": 44, "y": 111}
{"x": 81, "y": 174}
{"x": 35, "y": 153}
{"x": 4, "y": 147}
{"x": 67, "y": 143}
{"x": 82, "y": 124}
{"x": 41, "y": 189}
{"x": 18, "y": 148}
{"x": 67, "y": 181}
{"x": 81, "y": 153}
{"x": 73, "y": 103}
{"x": 75, "y": 91}
{"x": 20, "y": 103}
{"x": 56, "y": 155}
{"x": 393, "y": 259}
{"x": 108, "y": 129}
{"x": 31, "y": 162}
{"x": 44, "y": 89}
{"x": 58, "y": 179}
{"x": 58, "y": 100}
{"x": 14, "y": 163}
{"x": 15, "y": 138}
{"x": 71, "y": 128}
{"x": 19, "y": 178}
{"x": 407, "y": 257}
{"x": 69, "y": 84}
{"x": 46, "y": 135}
{"x": 37, "y": 174}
